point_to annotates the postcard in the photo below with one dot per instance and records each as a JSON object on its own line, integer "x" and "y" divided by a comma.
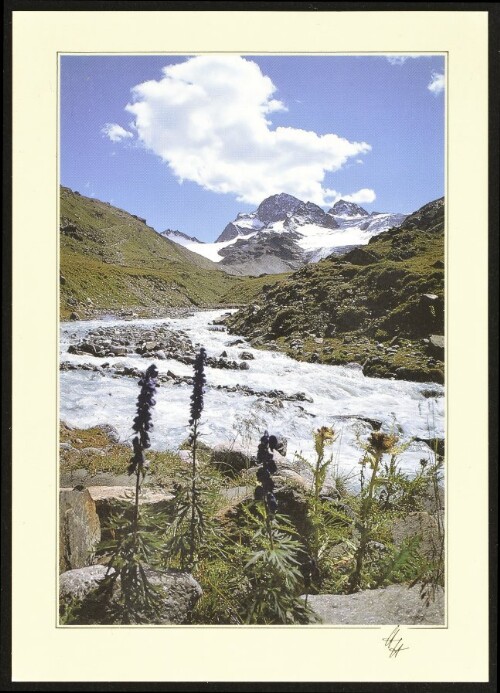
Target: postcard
{"x": 243, "y": 382}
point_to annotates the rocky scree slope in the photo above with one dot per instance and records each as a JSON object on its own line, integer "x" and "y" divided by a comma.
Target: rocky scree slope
{"x": 380, "y": 305}
{"x": 112, "y": 261}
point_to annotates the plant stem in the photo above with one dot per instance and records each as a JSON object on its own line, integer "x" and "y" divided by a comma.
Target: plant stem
{"x": 269, "y": 528}
{"x": 193, "y": 493}
{"x": 366, "y": 505}
{"x": 136, "y": 507}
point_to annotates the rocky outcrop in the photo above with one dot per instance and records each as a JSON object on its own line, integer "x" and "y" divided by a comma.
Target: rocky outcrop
{"x": 393, "y": 605}
{"x": 360, "y": 256}
{"x": 79, "y": 528}
{"x": 266, "y": 252}
{"x": 179, "y": 591}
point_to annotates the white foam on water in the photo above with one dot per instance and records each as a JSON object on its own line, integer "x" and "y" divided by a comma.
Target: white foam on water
{"x": 342, "y": 396}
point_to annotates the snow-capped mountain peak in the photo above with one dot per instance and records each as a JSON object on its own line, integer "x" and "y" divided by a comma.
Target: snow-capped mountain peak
{"x": 285, "y": 233}
{"x": 342, "y": 208}
{"x": 276, "y": 207}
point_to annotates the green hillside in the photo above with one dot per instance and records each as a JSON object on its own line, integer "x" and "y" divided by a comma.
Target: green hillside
{"x": 111, "y": 260}
{"x": 380, "y": 305}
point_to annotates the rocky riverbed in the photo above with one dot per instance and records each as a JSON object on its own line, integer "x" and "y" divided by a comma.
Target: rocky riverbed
{"x": 247, "y": 391}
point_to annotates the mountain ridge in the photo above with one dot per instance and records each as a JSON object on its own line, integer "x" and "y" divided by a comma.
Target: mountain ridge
{"x": 285, "y": 233}
{"x": 111, "y": 260}
{"x": 380, "y": 305}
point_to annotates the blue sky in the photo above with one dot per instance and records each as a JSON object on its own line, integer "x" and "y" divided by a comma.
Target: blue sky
{"x": 188, "y": 142}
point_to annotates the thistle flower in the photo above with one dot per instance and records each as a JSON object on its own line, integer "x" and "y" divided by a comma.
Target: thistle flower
{"x": 264, "y": 492}
{"x": 198, "y": 386}
{"x": 382, "y": 442}
{"x": 143, "y": 421}
{"x": 324, "y": 436}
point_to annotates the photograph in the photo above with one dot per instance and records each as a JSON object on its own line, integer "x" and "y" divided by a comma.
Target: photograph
{"x": 253, "y": 346}
{"x": 252, "y": 403}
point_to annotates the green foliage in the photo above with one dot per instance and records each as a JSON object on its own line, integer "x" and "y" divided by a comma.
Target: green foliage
{"x": 401, "y": 564}
{"x": 186, "y": 532}
{"x": 110, "y": 259}
{"x": 69, "y": 612}
{"x": 272, "y": 572}
{"x": 321, "y": 521}
{"x": 126, "y": 594}
{"x": 378, "y": 444}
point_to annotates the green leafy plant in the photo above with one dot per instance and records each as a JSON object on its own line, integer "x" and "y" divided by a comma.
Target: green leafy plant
{"x": 318, "y": 535}
{"x": 126, "y": 593}
{"x": 272, "y": 575}
{"x": 379, "y": 444}
{"x": 187, "y": 531}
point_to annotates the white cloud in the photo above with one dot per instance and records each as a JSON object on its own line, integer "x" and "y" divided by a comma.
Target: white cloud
{"x": 363, "y": 195}
{"x": 401, "y": 59}
{"x": 436, "y": 85}
{"x": 398, "y": 59}
{"x": 208, "y": 118}
{"x": 115, "y": 132}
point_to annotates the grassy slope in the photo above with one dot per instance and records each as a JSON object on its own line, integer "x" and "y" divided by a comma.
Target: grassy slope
{"x": 377, "y": 314}
{"x": 112, "y": 260}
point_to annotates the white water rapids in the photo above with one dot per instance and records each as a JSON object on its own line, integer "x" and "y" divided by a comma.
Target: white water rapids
{"x": 341, "y": 397}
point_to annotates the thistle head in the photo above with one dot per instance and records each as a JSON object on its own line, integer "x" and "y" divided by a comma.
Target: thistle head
{"x": 382, "y": 443}
{"x": 199, "y": 381}
{"x": 322, "y": 437}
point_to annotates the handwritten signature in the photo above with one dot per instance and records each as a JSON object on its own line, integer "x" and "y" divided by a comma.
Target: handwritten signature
{"x": 394, "y": 643}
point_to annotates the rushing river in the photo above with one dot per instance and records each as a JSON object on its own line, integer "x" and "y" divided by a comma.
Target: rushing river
{"x": 338, "y": 395}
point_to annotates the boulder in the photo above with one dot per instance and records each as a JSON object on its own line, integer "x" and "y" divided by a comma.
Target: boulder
{"x": 119, "y": 350}
{"x": 296, "y": 465}
{"x": 79, "y": 528}
{"x": 110, "y": 432}
{"x": 436, "y": 345}
{"x": 231, "y": 459}
{"x": 247, "y": 355}
{"x": 420, "y": 524}
{"x": 360, "y": 256}
{"x": 396, "y": 604}
{"x": 78, "y": 583}
{"x": 109, "y": 499}
{"x": 180, "y": 591}
{"x": 147, "y": 496}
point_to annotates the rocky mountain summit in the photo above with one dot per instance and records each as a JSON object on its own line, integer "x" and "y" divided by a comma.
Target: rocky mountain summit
{"x": 285, "y": 233}
{"x": 347, "y": 209}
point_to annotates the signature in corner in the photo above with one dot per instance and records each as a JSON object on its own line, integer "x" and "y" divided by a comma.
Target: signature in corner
{"x": 394, "y": 643}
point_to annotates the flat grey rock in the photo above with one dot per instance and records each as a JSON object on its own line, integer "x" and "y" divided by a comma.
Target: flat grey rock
{"x": 393, "y": 605}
